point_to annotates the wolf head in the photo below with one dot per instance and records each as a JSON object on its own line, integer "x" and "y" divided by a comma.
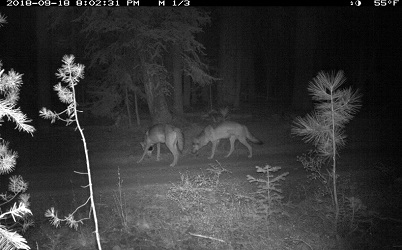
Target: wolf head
{"x": 150, "y": 149}
{"x": 199, "y": 142}
{"x": 196, "y": 145}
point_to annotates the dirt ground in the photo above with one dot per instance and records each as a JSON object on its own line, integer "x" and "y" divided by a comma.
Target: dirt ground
{"x": 47, "y": 160}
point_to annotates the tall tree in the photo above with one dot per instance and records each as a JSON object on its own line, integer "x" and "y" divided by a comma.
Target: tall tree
{"x": 368, "y": 53}
{"x": 248, "y": 45}
{"x": 43, "y": 60}
{"x": 186, "y": 91}
{"x": 137, "y": 40}
{"x": 236, "y": 55}
{"x": 177, "y": 80}
{"x": 277, "y": 49}
{"x": 305, "y": 55}
{"x": 228, "y": 57}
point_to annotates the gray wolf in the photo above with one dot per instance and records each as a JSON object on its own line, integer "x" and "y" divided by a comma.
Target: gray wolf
{"x": 227, "y": 129}
{"x": 163, "y": 133}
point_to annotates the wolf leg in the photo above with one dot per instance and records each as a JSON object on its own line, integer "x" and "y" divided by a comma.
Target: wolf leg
{"x": 232, "y": 140}
{"x": 146, "y": 147}
{"x": 172, "y": 143}
{"x": 158, "y": 151}
{"x": 245, "y": 143}
{"x": 214, "y": 145}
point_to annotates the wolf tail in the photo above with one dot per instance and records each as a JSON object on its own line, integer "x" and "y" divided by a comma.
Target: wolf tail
{"x": 252, "y": 138}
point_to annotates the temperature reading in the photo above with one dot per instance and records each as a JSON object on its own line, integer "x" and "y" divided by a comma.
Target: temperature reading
{"x": 385, "y": 2}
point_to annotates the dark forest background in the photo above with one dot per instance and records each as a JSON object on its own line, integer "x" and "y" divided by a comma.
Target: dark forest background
{"x": 204, "y": 58}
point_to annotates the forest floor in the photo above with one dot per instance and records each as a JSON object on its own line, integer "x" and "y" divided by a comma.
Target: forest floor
{"x": 150, "y": 205}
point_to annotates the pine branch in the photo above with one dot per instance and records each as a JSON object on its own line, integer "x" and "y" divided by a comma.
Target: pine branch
{"x": 11, "y": 240}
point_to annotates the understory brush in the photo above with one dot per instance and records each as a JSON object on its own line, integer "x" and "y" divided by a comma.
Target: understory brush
{"x": 353, "y": 214}
{"x": 212, "y": 210}
{"x": 15, "y": 212}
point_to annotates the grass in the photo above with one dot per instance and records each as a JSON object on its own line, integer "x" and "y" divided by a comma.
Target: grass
{"x": 212, "y": 210}
{"x": 216, "y": 210}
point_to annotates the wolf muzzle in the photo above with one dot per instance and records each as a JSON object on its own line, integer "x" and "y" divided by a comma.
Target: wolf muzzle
{"x": 195, "y": 149}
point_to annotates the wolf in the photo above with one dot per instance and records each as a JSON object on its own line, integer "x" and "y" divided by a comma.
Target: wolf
{"x": 163, "y": 133}
{"x": 227, "y": 129}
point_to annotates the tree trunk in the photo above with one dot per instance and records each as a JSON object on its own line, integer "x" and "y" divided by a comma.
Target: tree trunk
{"x": 247, "y": 86}
{"x": 161, "y": 110}
{"x": 244, "y": 54}
{"x": 238, "y": 54}
{"x": 177, "y": 80}
{"x": 367, "y": 61}
{"x": 137, "y": 115}
{"x": 43, "y": 63}
{"x": 157, "y": 104}
{"x": 277, "y": 54}
{"x": 186, "y": 91}
{"x": 227, "y": 57}
{"x": 127, "y": 83}
{"x": 149, "y": 92}
{"x": 194, "y": 94}
{"x": 305, "y": 49}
